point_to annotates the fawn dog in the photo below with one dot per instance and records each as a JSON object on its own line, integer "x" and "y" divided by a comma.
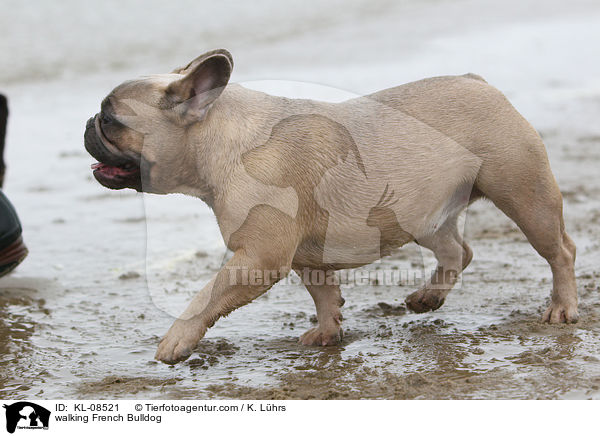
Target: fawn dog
{"x": 316, "y": 187}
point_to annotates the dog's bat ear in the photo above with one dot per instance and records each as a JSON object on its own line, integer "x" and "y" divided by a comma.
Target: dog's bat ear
{"x": 202, "y": 57}
{"x": 203, "y": 81}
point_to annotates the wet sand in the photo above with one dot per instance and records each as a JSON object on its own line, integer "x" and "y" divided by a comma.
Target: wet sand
{"x": 82, "y": 317}
{"x": 485, "y": 342}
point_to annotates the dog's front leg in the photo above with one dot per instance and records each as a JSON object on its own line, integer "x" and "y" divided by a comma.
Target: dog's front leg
{"x": 324, "y": 288}
{"x": 240, "y": 281}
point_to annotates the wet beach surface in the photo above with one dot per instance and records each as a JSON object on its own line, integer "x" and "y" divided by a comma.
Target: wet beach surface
{"x": 82, "y": 316}
{"x": 62, "y": 339}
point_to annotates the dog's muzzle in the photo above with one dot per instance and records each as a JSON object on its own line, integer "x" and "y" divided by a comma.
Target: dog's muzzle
{"x": 113, "y": 170}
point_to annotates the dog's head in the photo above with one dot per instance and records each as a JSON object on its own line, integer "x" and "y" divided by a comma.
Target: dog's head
{"x": 139, "y": 135}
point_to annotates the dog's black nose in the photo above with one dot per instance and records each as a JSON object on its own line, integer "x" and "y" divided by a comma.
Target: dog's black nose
{"x": 90, "y": 123}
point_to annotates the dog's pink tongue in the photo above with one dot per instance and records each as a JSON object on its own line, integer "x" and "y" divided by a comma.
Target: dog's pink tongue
{"x": 112, "y": 171}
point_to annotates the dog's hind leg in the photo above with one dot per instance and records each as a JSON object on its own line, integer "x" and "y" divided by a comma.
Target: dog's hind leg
{"x": 530, "y": 196}
{"x": 326, "y": 293}
{"x": 453, "y": 256}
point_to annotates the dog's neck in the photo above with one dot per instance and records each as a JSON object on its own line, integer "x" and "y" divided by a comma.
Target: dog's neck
{"x": 240, "y": 119}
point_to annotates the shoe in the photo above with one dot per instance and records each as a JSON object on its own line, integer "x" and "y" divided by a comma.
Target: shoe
{"x": 12, "y": 249}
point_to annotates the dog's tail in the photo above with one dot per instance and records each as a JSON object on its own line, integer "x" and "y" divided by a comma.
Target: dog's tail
{"x": 474, "y": 77}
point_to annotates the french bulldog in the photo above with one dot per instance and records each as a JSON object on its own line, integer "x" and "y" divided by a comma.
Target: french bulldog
{"x": 316, "y": 187}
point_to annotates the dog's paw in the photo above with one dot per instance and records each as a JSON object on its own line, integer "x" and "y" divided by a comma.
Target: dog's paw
{"x": 425, "y": 300}
{"x": 179, "y": 342}
{"x": 561, "y": 313}
{"x": 321, "y": 337}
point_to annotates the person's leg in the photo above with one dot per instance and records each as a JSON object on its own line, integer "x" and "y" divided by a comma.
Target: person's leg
{"x": 12, "y": 248}
{"x": 3, "y": 120}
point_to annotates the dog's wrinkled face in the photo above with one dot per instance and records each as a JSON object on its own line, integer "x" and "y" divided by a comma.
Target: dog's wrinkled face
{"x": 138, "y": 137}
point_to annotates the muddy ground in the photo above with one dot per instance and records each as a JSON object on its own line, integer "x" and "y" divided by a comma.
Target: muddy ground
{"x": 485, "y": 342}
{"x": 82, "y": 316}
